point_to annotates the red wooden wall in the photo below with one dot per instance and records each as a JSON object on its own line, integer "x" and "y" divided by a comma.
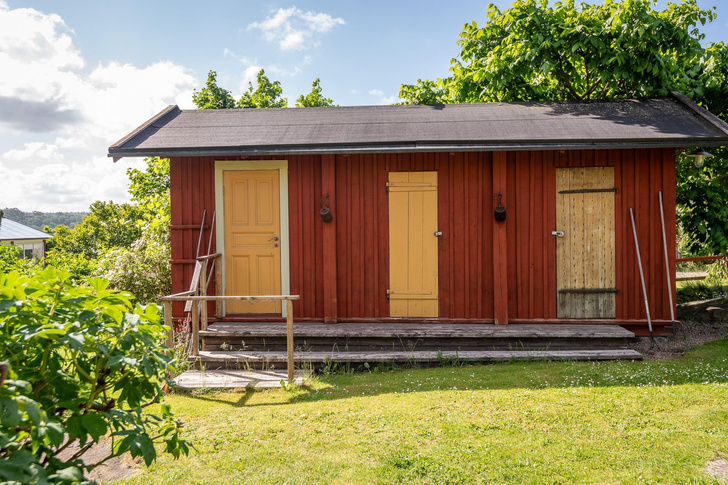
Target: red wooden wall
{"x": 354, "y": 262}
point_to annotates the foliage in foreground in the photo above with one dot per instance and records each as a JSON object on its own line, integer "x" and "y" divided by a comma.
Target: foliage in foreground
{"x": 84, "y": 363}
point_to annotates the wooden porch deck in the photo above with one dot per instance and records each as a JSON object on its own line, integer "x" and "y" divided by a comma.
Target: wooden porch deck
{"x": 413, "y": 330}
{"x": 262, "y": 344}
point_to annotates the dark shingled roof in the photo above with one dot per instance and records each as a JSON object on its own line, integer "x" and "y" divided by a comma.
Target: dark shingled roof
{"x": 673, "y": 121}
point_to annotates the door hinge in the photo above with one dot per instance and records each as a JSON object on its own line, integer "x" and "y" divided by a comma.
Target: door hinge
{"x": 389, "y": 292}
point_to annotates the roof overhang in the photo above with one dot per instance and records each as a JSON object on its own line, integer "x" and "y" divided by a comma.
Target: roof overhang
{"x": 678, "y": 123}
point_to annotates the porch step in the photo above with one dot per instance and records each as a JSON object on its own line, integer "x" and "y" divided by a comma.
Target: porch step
{"x": 274, "y": 359}
{"x": 411, "y": 337}
{"x": 250, "y": 379}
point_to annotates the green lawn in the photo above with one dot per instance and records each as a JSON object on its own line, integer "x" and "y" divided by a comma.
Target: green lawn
{"x": 615, "y": 422}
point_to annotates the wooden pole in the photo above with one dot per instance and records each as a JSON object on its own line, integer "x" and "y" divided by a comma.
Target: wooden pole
{"x": 168, "y": 322}
{"x": 195, "y": 328}
{"x": 500, "y": 242}
{"x": 218, "y": 290}
{"x": 330, "y": 284}
{"x": 212, "y": 229}
{"x": 202, "y": 229}
{"x": 289, "y": 338}
{"x": 642, "y": 275}
{"x": 667, "y": 264}
{"x": 203, "y": 292}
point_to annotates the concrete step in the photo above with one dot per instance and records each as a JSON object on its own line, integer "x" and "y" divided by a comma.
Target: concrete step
{"x": 249, "y": 379}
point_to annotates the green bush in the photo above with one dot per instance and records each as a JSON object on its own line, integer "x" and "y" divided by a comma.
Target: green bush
{"x": 143, "y": 269}
{"x": 11, "y": 258}
{"x": 84, "y": 364}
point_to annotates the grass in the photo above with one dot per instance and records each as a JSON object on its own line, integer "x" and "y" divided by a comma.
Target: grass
{"x": 559, "y": 422}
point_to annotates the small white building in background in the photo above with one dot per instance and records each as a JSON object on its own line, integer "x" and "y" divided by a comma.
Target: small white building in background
{"x": 31, "y": 240}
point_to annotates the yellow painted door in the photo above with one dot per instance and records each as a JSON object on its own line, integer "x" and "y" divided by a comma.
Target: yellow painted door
{"x": 585, "y": 254}
{"x": 252, "y": 238}
{"x": 413, "y": 287}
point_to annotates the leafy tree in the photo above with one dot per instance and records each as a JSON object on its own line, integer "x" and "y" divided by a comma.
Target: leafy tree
{"x": 266, "y": 94}
{"x": 149, "y": 190}
{"x": 534, "y": 51}
{"x": 314, "y": 98}
{"x": 212, "y": 96}
{"x": 84, "y": 364}
{"x": 107, "y": 225}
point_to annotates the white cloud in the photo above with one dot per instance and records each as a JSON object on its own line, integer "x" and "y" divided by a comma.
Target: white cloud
{"x": 26, "y": 33}
{"x": 295, "y": 29}
{"x": 36, "y": 151}
{"x": 76, "y": 114}
{"x": 250, "y": 75}
{"x": 382, "y": 99}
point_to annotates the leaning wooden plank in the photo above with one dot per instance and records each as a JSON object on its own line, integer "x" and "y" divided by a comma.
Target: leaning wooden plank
{"x": 194, "y": 285}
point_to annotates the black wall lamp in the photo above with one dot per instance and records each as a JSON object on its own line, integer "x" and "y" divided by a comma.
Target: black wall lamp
{"x": 699, "y": 155}
{"x": 500, "y": 210}
{"x": 325, "y": 212}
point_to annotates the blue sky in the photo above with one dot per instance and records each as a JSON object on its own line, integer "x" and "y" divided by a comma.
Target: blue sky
{"x": 78, "y": 75}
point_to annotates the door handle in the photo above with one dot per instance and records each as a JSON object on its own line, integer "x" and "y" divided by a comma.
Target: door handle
{"x": 557, "y": 233}
{"x": 274, "y": 238}
{"x": 438, "y": 233}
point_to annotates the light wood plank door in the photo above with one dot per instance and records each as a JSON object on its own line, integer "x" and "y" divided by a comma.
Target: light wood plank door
{"x": 252, "y": 238}
{"x": 413, "y": 270}
{"x": 585, "y": 254}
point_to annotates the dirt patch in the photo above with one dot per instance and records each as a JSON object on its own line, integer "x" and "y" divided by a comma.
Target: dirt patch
{"x": 115, "y": 469}
{"x": 718, "y": 468}
{"x": 701, "y": 322}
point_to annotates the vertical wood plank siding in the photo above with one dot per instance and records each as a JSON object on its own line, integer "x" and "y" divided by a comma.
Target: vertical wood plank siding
{"x": 465, "y": 213}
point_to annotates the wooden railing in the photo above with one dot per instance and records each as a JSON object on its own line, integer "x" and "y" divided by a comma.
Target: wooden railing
{"x": 196, "y": 303}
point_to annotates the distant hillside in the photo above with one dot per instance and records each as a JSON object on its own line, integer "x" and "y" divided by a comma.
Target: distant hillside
{"x": 37, "y": 220}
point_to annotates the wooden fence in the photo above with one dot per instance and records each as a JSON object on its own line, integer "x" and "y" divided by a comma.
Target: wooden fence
{"x": 196, "y": 303}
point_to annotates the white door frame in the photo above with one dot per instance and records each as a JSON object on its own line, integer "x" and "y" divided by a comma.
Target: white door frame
{"x": 282, "y": 167}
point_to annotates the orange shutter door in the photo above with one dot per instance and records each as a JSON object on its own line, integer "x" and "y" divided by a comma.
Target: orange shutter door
{"x": 413, "y": 278}
{"x": 252, "y": 238}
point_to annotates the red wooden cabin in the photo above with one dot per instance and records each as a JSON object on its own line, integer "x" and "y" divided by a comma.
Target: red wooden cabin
{"x": 435, "y": 213}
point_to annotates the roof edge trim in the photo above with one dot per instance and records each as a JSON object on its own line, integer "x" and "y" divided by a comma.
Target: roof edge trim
{"x": 413, "y": 147}
{"x": 701, "y": 111}
{"x": 171, "y": 109}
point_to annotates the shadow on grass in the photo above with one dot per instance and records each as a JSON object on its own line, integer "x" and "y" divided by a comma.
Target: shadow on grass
{"x": 707, "y": 364}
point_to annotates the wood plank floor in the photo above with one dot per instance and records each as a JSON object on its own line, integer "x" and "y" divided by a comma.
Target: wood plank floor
{"x": 415, "y": 330}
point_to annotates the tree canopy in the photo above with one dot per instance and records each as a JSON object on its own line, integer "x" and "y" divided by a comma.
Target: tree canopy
{"x": 535, "y": 51}
{"x": 315, "y": 98}
{"x": 265, "y": 94}
{"x": 212, "y": 96}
